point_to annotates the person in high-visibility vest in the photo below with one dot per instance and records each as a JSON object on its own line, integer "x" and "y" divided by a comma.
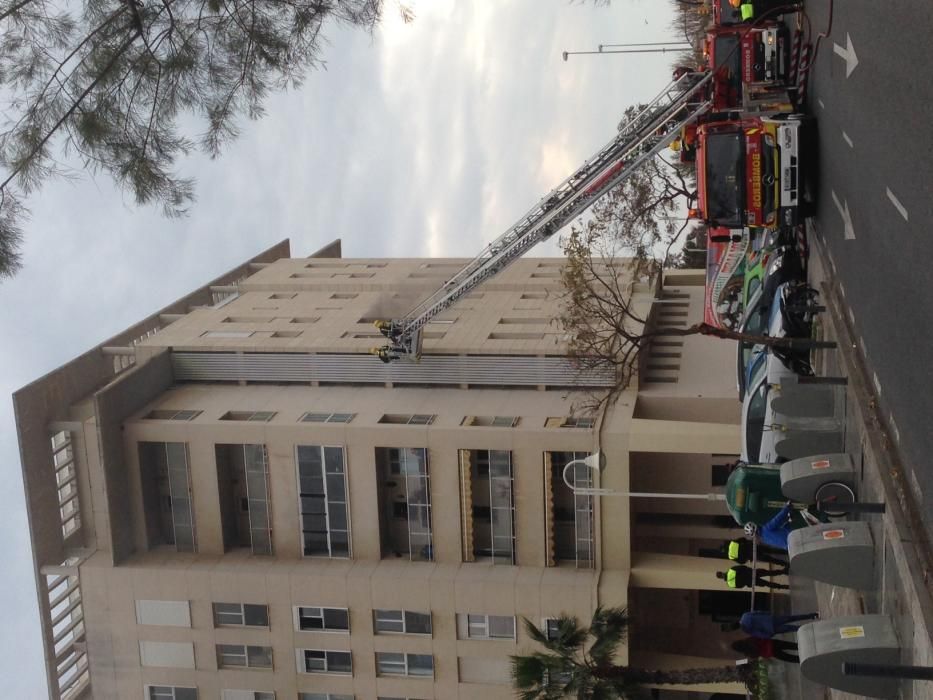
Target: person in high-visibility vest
{"x": 746, "y": 9}
{"x": 742, "y": 577}
{"x": 740, "y": 551}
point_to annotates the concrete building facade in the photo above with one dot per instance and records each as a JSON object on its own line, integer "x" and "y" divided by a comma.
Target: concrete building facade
{"x": 234, "y": 499}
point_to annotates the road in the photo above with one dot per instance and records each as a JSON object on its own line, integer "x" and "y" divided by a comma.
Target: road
{"x": 875, "y": 205}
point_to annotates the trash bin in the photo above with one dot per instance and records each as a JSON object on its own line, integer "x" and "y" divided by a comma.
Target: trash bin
{"x": 802, "y": 478}
{"x": 824, "y": 645}
{"x": 753, "y": 494}
{"x": 838, "y": 553}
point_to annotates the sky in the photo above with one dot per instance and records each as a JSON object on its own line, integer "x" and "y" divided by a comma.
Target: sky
{"x": 423, "y": 139}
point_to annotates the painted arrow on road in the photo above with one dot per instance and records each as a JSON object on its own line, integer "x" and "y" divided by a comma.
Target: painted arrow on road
{"x": 847, "y": 54}
{"x": 849, "y": 233}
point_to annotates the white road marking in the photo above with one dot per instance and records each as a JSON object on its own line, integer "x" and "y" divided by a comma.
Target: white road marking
{"x": 897, "y": 436}
{"x": 822, "y": 106}
{"x": 847, "y": 54}
{"x": 861, "y": 343}
{"x": 851, "y": 316}
{"x": 842, "y": 288}
{"x": 876, "y": 382}
{"x": 847, "y": 139}
{"x": 848, "y": 229}
{"x": 915, "y": 484}
{"x": 897, "y": 204}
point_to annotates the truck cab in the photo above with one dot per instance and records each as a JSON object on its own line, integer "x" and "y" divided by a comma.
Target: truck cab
{"x": 749, "y": 172}
{"x": 750, "y": 63}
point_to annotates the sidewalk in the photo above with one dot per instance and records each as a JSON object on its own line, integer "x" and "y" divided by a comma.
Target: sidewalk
{"x": 900, "y": 589}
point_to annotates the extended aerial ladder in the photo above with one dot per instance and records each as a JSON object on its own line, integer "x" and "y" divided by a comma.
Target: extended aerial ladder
{"x": 653, "y": 128}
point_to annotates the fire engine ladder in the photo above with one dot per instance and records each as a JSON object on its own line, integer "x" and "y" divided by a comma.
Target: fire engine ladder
{"x": 646, "y": 134}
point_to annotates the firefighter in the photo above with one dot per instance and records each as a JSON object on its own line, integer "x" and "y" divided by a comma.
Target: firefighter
{"x": 743, "y": 576}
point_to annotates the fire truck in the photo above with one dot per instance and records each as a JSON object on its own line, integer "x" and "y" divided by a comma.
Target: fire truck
{"x": 732, "y": 149}
{"x": 750, "y": 171}
{"x": 752, "y": 65}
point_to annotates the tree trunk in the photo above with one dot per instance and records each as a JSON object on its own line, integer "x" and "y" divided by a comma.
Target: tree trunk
{"x": 684, "y": 676}
{"x": 766, "y": 340}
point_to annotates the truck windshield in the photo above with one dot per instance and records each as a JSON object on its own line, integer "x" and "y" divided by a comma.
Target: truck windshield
{"x": 728, "y": 64}
{"x": 725, "y": 194}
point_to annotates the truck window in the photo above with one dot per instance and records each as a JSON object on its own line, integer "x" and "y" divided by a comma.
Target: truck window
{"x": 728, "y": 58}
{"x": 724, "y": 179}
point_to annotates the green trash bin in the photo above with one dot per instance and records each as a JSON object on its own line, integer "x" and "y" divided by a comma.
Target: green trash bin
{"x": 753, "y": 494}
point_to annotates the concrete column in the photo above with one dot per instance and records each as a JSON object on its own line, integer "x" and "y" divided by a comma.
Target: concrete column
{"x": 684, "y": 437}
{"x": 653, "y": 570}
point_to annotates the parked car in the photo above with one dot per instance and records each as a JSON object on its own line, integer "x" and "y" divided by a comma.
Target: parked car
{"x": 783, "y": 417}
{"x": 785, "y": 265}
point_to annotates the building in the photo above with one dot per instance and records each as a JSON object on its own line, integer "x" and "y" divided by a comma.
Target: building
{"x": 234, "y": 499}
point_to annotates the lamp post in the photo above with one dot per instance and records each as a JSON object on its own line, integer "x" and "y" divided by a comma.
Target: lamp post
{"x": 670, "y": 44}
{"x": 592, "y": 462}
{"x": 567, "y": 54}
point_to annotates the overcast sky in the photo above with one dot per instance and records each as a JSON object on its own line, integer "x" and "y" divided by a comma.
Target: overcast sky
{"x": 427, "y": 139}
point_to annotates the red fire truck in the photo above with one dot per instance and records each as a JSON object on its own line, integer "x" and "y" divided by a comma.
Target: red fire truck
{"x": 752, "y": 65}
{"x": 750, "y": 171}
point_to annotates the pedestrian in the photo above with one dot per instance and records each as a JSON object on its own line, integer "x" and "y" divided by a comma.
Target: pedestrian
{"x": 779, "y": 649}
{"x": 774, "y": 532}
{"x": 742, "y": 577}
{"x": 764, "y": 625}
{"x": 740, "y": 551}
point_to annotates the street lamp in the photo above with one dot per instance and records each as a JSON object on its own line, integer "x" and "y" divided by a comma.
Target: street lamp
{"x": 566, "y": 54}
{"x": 675, "y": 44}
{"x": 592, "y": 462}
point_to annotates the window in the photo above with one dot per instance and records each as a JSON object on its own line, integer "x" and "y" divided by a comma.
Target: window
{"x": 243, "y": 487}
{"x": 172, "y": 414}
{"x": 405, "y": 503}
{"x": 327, "y": 417}
{"x": 171, "y": 613}
{"x": 490, "y": 421}
{"x": 524, "y": 321}
{"x": 250, "y": 416}
{"x": 487, "y": 517}
{"x": 516, "y": 336}
{"x": 286, "y": 334}
{"x": 344, "y": 295}
{"x": 551, "y": 628}
{"x": 289, "y": 295}
{"x": 170, "y": 692}
{"x": 407, "y": 419}
{"x": 306, "y": 319}
{"x": 324, "y": 661}
{"x": 392, "y": 664}
{"x": 486, "y": 626}
{"x": 66, "y": 478}
{"x": 324, "y": 696}
{"x": 568, "y": 516}
{"x": 322, "y": 619}
{"x": 166, "y": 654}
{"x": 570, "y": 422}
{"x": 226, "y": 334}
{"x": 322, "y": 493}
{"x": 243, "y": 656}
{"x": 167, "y": 494}
{"x": 401, "y": 621}
{"x": 240, "y": 615}
{"x": 247, "y": 695}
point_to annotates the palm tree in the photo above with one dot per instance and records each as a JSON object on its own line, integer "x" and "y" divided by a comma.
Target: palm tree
{"x": 579, "y": 662}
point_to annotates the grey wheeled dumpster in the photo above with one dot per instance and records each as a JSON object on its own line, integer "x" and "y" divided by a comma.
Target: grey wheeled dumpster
{"x": 837, "y": 553}
{"x": 802, "y": 478}
{"x": 825, "y": 645}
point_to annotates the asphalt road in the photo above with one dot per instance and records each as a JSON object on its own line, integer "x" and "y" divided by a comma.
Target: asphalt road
{"x": 876, "y": 163}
